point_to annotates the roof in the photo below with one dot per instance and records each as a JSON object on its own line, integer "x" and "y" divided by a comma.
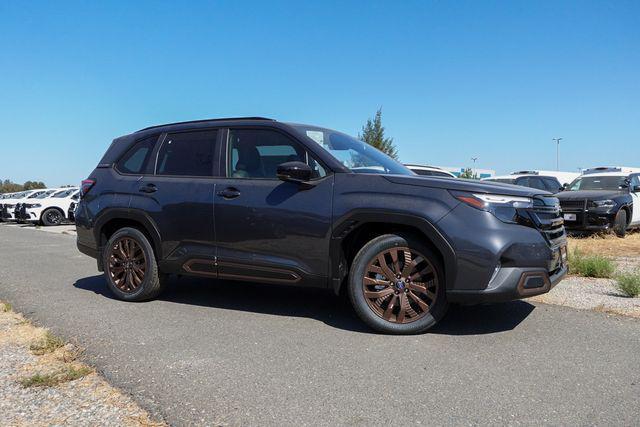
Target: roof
{"x": 226, "y": 119}
{"x": 616, "y": 170}
{"x": 411, "y": 165}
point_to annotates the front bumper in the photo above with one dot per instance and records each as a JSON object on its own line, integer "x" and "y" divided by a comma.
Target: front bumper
{"x": 32, "y": 215}
{"x": 7, "y": 214}
{"x": 510, "y": 284}
{"x": 589, "y": 220}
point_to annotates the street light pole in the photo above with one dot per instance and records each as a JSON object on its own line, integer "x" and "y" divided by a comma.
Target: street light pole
{"x": 557, "y": 141}
{"x": 474, "y": 166}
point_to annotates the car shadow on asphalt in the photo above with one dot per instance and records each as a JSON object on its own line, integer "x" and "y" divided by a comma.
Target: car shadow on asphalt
{"x": 317, "y": 304}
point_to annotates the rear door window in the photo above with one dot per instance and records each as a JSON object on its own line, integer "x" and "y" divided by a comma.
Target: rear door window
{"x": 187, "y": 154}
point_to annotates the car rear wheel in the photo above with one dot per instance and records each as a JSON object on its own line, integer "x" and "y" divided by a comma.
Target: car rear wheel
{"x": 52, "y": 216}
{"x": 130, "y": 266}
{"x": 620, "y": 223}
{"x": 396, "y": 285}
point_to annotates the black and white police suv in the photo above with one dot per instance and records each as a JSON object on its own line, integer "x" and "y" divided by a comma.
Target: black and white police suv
{"x": 603, "y": 198}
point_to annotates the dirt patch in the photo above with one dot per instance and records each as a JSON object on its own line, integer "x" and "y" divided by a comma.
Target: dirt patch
{"x": 42, "y": 382}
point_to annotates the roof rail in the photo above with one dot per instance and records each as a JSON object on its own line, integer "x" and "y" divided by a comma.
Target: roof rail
{"x": 207, "y": 120}
{"x": 525, "y": 173}
{"x": 601, "y": 169}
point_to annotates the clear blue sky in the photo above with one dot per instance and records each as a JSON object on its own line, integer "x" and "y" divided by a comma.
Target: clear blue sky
{"x": 456, "y": 80}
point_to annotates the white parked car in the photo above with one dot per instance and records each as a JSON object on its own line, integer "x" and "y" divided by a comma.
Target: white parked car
{"x": 430, "y": 171}
{"x": 8, "y": 210}
{"x": 51, "y": 210}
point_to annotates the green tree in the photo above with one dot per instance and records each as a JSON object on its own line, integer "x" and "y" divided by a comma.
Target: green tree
{"x": 468, "y": 174}
{"x": 373, "y": 134}
{"x": 8, "y": 186}
{"x": 33, "y": 185}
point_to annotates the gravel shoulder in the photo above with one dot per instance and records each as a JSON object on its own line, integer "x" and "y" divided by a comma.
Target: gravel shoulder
{"x": 585, "y": 293}
{"x": 29, "y": 394}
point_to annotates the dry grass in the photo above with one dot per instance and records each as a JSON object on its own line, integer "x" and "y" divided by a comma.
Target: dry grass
{"x": 52, "y": 379}
{"x": 48, "y": 344}
{"x": 607, "y": 245}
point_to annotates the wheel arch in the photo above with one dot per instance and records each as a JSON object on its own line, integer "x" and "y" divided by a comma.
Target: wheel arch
{"x": 629, "y": 208}
{"x": 354, "y": 230}
{"x": 114, "y": 219}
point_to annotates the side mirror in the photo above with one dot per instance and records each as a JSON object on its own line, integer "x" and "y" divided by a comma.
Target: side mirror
{"x": 298, "y": 172}
{"x": 562, "y": 188}
{"x": 636, "y": 189}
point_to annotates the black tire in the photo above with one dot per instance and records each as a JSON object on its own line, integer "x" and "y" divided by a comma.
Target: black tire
{"x": 367, "y": 254}
{"x": 52, "y": 216}
{"x": 153, "y": 282}
{"x": 620, "y": 223}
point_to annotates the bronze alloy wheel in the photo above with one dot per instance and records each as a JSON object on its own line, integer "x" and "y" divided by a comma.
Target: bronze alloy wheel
{"x": 400, "y": 285}
{"x": 127, "y": 264}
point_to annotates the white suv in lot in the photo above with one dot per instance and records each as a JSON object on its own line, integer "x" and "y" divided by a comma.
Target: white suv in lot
{"x": 51, "y": 210}
{"x": 8, "y": 208}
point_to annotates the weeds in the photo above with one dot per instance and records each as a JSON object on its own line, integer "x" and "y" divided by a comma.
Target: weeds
{"x": 590, "y": 265}
{"x": 48, "y": 344}
{"x": 629, "y": 283}
{"x": 5, "y": 307}
{"x": 69, "y": 373}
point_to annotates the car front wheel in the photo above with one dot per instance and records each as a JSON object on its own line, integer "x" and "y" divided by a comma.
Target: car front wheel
{"x": 130, "y": 267}
{"x": 620, "y": 224}
{"x": 52, "y": 216}
{"x": 396, "y": 285}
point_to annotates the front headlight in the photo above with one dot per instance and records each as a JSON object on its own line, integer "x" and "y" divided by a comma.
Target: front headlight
{"x": 34, "y": 205}
{"x": 603, "y": 203}
{"x": 501, "y": 206}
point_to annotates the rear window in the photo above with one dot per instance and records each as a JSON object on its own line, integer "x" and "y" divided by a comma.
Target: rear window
{"x": 136, "y": 160}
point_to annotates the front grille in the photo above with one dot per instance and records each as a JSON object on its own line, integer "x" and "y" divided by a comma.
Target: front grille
{"x": 546, "y": 217}
{"x": 573, "y": 205}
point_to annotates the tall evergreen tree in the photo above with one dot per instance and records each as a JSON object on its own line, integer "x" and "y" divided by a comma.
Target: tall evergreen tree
{"x": 373, "y": 134}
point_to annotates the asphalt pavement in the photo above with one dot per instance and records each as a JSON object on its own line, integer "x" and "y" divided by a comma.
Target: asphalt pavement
{"x": 212, "y": 352}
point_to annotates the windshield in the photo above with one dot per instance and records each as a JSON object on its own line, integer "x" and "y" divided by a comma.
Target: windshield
{"x": 502, "y": 180}
{"x": 64, "y": 193}
{"x": 356, "y": 155}
{"x": 45, "y": 194}
{"x": 599, "y": 183}
{"x": 36, "y": 194}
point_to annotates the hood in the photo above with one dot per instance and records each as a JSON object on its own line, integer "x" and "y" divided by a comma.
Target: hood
{"x": 588, "y": 194}
{"x": 470, "y": 185}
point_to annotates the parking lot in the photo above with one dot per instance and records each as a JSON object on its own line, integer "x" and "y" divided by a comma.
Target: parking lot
{"x": 252, "y": 354}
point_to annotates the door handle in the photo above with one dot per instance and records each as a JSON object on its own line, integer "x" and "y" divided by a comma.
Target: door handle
{"x": 149, "y": 188}
{"x": 229, "y": 193}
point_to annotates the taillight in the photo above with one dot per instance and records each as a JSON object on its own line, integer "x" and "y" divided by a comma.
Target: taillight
{"x": 86, "y": 185}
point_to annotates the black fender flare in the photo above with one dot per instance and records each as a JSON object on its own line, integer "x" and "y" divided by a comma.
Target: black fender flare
{"x": 136, "y": 215}
{"x": 359, "y": 217}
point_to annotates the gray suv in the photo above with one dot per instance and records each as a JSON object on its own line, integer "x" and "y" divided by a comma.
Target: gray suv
{"x": 257, "y": 200}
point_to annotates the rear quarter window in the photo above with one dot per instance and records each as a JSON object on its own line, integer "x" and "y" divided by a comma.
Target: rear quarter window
{"x": 137, "y": 159}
